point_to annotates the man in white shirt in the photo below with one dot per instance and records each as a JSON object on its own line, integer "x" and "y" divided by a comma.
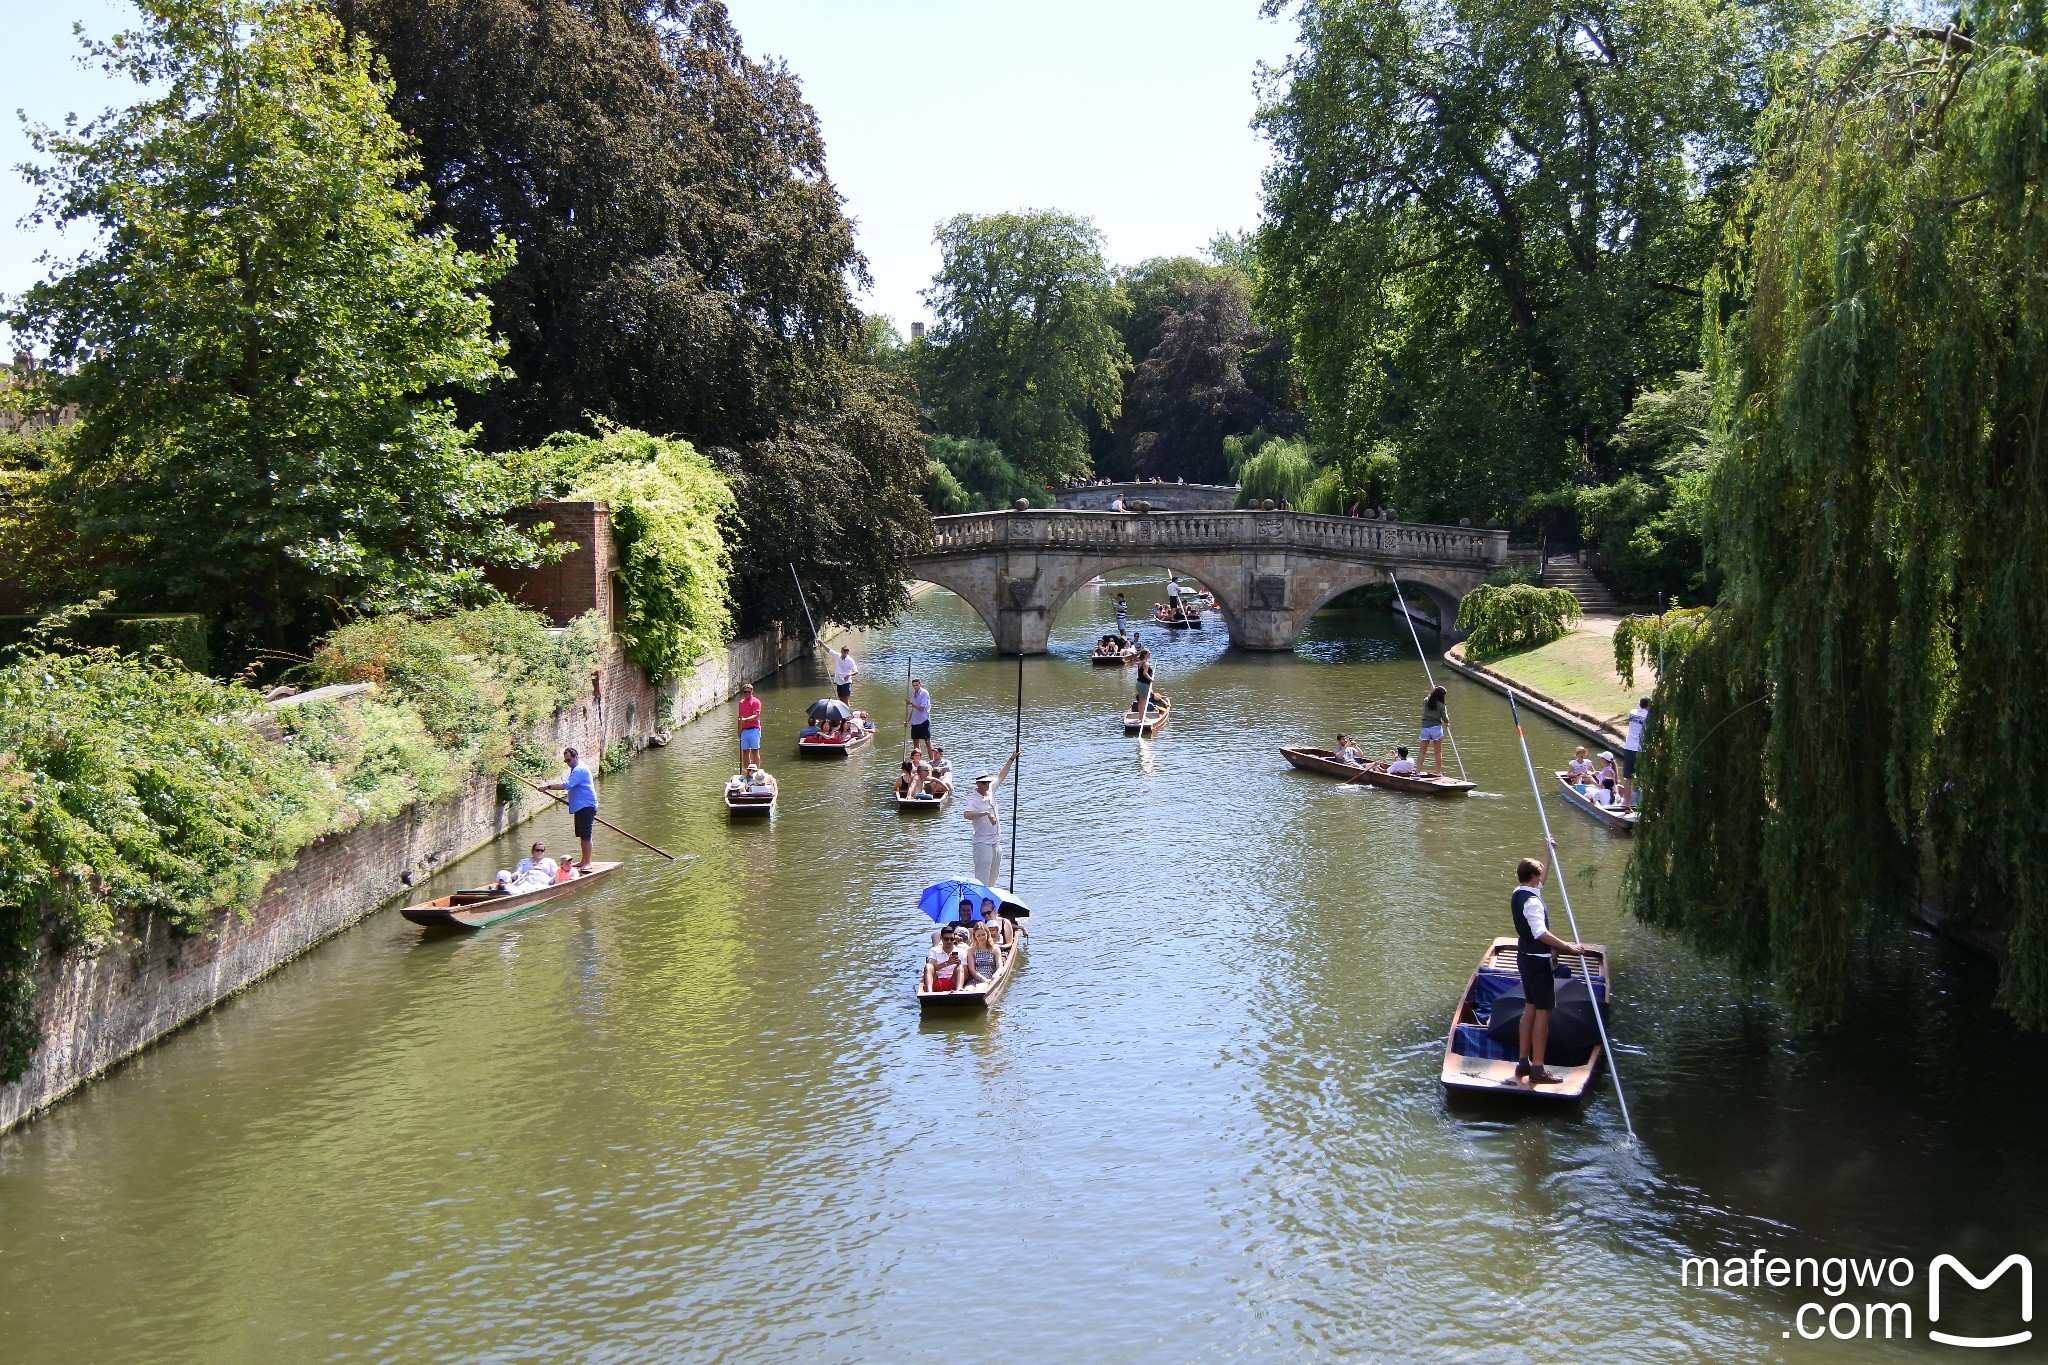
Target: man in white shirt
{"x": 1173, "y": 592}
{"x": 1401, "y": 765}
{"x": 1535, "y": 947}
{"x": 979, "y": 810}
{"x": 843, "y": 671}
{"x": 1632, "y": 745}
{"x": 919, "y": 708}
{"x": 1116, "y": 504}
{"x": 942, "y": 963}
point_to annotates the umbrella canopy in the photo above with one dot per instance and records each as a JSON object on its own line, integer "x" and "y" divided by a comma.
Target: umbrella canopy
{"x": 941, "y": 901}
{"x": 829, "y": 708}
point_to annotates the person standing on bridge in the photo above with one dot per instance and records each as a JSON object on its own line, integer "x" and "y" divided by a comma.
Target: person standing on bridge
{"x": 1116, "y": 504}
{"x": 1123, "y": 617}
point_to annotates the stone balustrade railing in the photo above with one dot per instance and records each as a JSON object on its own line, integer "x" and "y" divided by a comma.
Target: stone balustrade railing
{"x": 1341, "y": 537}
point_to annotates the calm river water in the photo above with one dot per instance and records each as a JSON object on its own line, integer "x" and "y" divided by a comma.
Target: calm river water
{"x": 695, "y": 1113}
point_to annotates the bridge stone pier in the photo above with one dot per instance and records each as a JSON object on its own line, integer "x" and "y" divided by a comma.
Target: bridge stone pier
{"x": 1270, "y": 571}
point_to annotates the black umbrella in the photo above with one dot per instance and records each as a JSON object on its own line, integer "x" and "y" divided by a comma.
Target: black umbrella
{"x": 1573, "y": 1030}
{"x": 829, "y": 708}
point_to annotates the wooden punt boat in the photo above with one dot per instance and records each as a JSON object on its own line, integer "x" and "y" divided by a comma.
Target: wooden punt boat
{"x": 1611, "y": 816}
{"x": 1160, "y": 618}
{"x": 908, "y": 803}
{"x": 1420, "y": 784}
{"x": 816, "y": 746}
{"x": 972, "y": 997}
{"x": 740, "y": 801}
{"x": 1123, "y": 660}
{"x": 1150, "y": 723}
{"x": 479, "y": 909}
{"x": 1473, "y": 1062}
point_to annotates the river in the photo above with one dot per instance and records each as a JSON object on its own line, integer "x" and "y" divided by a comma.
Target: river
{"x": 694, "y": 1113}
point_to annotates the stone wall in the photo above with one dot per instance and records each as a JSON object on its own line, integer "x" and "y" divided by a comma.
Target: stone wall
{"x": 103, "y": 1007}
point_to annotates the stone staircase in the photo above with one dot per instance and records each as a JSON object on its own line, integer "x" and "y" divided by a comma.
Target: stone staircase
{"x": 1580, "y": 581}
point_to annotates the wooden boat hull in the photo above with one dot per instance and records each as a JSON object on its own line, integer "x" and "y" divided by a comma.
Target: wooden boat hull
{"x": 974, "y": 997}
{"x": 1606, "y": 815}
{"x": 746, "y": 807}
{"x": 1113, "y": 660}
{"x": 480, "y": 910}
{"x": 1151, "y": 724}
{"x": 819, "y": 749}
{"x": 1325, "y": 762}
{"x": 1166, "y": 624}
{"x": 1467, "y": 1066}
{"x": 918, "y": 803}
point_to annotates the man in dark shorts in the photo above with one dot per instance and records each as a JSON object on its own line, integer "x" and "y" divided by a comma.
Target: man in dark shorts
{"x": 1534, "y": 949}
{"x": 582, "y": 799}
{"x": 920, "y": 713}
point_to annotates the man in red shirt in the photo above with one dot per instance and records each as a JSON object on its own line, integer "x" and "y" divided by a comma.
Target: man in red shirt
{"x": 750, "y": 726}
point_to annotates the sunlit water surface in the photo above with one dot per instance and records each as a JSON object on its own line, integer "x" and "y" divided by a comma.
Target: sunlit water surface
{"x": 695, "y": 1112}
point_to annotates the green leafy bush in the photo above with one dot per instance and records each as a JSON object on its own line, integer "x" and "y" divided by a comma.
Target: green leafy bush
{"x": 181, "y": 636}
{"x": 670, "y": 507}
{"x": 1280, "y": 470}
{"x": 1521, "y": 616}
{"x": 988, "y": 478}
{"x": 131, "y": 785}
{"x": 1512, "y": 574}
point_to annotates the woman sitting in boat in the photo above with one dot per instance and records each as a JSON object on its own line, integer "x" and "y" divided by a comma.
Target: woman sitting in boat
{"x": 1579, "y": 772}
{"x": 983, "y": 956}
{"x": 1347, "y": 752}
{"x": 907, "y": 784}
{"x": 1007, "y": 931}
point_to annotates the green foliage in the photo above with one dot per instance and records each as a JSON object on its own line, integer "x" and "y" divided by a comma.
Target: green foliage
{"x": 1280, "y": 469}
{"x": 1651, "y": 521}
{"x": 253, "y": 332}
{"x": 130, "y": 786}
{"x": 1025, "y": 352}
{"x": 476, "y": 679}
{"x": 944, "y": 494}
{"x": 986, "y": 478}
{"x": 1646, "y": 640}
{"x": 181, "y": 637}
{"x": 1486, "y": 221}
{"x": 1513, "y": 575}
{"x": 670, "y": 507}
{"x": 1881, "y": 517}
{"x": 1521, "y": 616}
{"x": 684, "y": 267}
{"x": 1195, "y": 386}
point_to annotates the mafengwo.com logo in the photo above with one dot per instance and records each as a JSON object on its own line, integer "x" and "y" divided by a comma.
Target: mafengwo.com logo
{"x": 1866, "y": 1299}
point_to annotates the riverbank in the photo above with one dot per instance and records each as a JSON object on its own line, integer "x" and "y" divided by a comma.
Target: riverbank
{"x": 100, "y": 1007}
{"x": 1571, "y": 681}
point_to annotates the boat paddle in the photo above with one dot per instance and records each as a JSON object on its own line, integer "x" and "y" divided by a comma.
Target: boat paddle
{"x": 1564, "y": 894}
{"x": 1403, "y": 600}
{"x": 552, "y": 796}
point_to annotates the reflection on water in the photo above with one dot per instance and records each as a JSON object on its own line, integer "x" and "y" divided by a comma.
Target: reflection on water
{"x": 696, "y": 1113}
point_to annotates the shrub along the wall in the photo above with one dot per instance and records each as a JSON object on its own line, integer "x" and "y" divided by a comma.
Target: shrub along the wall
{"x": 1519, "y": 616}
{"x": 181, "y": 635}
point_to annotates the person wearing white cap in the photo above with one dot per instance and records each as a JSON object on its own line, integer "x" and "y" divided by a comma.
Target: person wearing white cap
{"x": 1604, "y": 780}
{"x": 979, "y": 810}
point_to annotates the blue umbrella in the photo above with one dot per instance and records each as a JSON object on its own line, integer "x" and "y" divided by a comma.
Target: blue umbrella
{"x": 941, "y": 900}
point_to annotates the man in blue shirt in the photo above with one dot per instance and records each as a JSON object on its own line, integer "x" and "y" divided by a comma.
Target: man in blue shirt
{"x": 582, "y": 796}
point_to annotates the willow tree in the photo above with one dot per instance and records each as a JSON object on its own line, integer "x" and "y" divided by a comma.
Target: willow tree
{"x": 1862, "y": 714}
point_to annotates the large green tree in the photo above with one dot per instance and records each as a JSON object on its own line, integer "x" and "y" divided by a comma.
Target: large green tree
{"x": 1487, "y": 224}
{"x": 254, "y": 334}
{"x": 1025, "y": 352}
{"x": 1865, "y": 703}
{"x": 684, "y": 266}
{"x": 1196, "y": 385}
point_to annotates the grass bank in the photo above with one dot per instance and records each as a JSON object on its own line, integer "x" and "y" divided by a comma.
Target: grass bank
{"x": 1573, "y": 675}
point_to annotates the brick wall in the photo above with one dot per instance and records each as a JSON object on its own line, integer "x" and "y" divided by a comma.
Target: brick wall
{"x": 581, "y": 580}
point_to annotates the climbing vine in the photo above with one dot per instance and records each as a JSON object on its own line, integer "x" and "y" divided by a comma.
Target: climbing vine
{"x": 1518, "y": 616}
{"x": 1864, "y": 706}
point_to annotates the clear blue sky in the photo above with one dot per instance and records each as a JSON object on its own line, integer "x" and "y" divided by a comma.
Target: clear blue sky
{"x": 1135, "y": 113}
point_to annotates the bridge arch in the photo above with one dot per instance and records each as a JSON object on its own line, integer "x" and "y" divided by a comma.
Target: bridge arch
{"x": 1270, "y": 571}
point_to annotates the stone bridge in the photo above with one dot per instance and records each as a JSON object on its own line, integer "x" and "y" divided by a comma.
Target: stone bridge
{"x": 1270, "y": 571}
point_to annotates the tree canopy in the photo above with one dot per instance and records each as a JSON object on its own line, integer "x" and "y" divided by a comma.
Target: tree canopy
{"x": 1487, "y": 224}
{"x": 253, "y": 338}
{"x": 684, "y": 266}
{"x": 1025, "y": 352}
{"x": 1864, "y": 704}
{"x": 1196, "y": 386}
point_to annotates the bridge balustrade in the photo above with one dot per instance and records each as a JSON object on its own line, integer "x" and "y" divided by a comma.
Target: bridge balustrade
{"x": 1190, "y": 531}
